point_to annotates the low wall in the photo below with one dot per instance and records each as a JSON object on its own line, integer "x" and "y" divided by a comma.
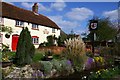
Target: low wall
{"x": 54, "y": 49}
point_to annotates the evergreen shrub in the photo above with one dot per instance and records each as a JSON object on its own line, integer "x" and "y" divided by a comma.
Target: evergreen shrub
{"x": 25, "y": 48}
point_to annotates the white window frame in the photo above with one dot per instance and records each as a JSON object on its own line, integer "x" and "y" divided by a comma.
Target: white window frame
{"x": 35, "y": 26}
{"x": 35, "y": 40}
{"x": 19, "y": 23}
{"x": 53, "y": 30}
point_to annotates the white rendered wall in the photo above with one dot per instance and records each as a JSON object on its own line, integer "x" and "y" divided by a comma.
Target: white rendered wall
{"x": 16, "y": 30}
{"x": 6, "y": 41}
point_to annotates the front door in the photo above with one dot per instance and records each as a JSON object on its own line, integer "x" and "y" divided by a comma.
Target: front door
{"x": 14, "y": 42}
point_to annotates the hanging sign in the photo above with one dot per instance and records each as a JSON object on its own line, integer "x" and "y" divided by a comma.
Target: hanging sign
{"x": 93, "y": 25}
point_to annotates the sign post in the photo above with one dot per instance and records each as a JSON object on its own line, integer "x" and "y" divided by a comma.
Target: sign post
{"x": 93, "y": 27}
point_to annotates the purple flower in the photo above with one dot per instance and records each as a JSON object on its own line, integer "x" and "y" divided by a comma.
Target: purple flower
{"x": 39, "y": 73}
{"x": 90, "y": 61}
{"x": 68, "y": 62}
{"x": 34, "y": 74}
{"x": 45, "y": 74}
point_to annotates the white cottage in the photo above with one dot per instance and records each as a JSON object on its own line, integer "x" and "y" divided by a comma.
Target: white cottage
{"x": 39, "y": 26}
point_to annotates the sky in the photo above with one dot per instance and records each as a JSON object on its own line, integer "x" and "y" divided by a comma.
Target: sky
{"x": 73, "y": 15}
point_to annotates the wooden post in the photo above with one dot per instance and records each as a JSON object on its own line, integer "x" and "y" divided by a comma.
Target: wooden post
{"x": 92, "y": 27}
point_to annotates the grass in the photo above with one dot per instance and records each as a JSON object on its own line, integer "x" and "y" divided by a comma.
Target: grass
{"x": 36, "y": 58}
{"x": 38, "y": 55}
{"x": 56, "y": 56}
{"x": 9, "y": 54}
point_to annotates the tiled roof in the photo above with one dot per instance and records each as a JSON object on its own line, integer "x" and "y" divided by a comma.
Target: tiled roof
{"x": 13, "y": 12}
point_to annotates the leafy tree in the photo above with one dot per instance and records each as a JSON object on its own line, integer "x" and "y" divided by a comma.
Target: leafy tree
{"x": 72, "y": 35}
{"x": 59, "y": 41}
{"x": 62, "y": 38}
{"x": 25, "y": 48}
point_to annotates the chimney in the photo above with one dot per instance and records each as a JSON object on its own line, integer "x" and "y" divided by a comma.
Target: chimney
{"x": 35, "y": 8}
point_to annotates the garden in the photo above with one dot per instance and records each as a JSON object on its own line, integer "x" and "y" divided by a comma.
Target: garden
{"x": 73, "y": 60}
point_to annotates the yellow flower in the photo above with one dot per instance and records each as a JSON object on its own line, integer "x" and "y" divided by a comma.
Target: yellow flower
{"x": 98, "y": 71}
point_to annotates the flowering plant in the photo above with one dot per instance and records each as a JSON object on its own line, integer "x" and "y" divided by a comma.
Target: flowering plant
{"x": 105, "y": 73}
{"x": 99, "y": 60}
{"x": 75, "y": 52}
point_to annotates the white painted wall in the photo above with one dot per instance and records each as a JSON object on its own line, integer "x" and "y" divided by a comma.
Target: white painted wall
{"x": 6, "y": 41}
{"x": 16, "y": 30}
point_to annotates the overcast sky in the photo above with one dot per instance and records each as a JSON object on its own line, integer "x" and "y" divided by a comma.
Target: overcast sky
{"x": 73, "y": 15}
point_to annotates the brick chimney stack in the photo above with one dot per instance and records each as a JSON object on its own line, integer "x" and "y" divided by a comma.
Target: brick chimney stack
{"x": 35, "y": 8}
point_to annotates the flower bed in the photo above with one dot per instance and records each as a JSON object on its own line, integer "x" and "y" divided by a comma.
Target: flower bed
{"x": 45, "y": 69}
{"x": 105, "y": 73}
{"x": 85, "y": 74}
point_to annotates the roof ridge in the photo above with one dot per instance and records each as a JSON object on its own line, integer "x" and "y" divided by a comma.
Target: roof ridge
{"x": 22, "y": 8}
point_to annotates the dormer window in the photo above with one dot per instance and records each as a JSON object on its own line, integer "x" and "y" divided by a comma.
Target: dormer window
{"x": 53, "y": 30}
{"x": 19, "y": 23}
{"x": 35, "y": 26}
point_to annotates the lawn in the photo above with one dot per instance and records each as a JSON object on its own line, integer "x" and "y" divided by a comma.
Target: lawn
{"x": 8, "y": 56}
{"x": 38, "y": 55}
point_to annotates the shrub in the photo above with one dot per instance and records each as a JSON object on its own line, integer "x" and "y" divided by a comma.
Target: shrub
{"x": 106, "y": 51}
{"x": 66, "y": 66}
{"x": 46, "y": 67}
{"x": 105, "y": 74}
{"x": 51, "y": 40}
{"x": 5, "y": 48}
{"x": 75, "y": 52}
{"x": 62, "y": 65}
{"x": 61, "y": 40}
{"x": 7, "y": 56}
{"x": 6, "y": 71}
{"x": 36, "y": 65}
{"x": 116, "y": 49}
{"x": 89, "y": 54}
{"x": 25, "y": 48}
{"x": 56, "y": 65}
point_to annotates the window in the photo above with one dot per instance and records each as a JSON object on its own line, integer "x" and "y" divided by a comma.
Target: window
{"x": 35, "y": 40}
{"x": 19, "y": 23}
{"x": 53, "y": 30}
{"x": 34, "y": 26}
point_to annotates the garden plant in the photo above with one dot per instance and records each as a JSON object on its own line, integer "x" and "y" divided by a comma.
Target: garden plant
{"x": 25, "y": 49}
{"x": 75, "y": 52}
